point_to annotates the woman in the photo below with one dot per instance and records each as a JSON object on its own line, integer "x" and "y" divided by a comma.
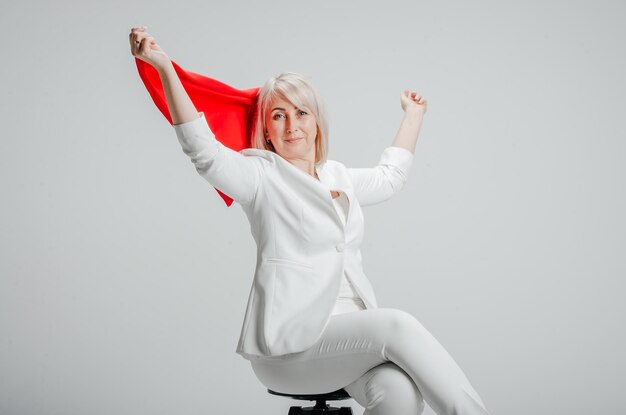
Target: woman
{"x": 312, "y": 324}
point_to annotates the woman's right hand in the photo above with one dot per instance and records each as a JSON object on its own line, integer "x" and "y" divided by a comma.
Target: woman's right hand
{"x": 143, "y": 46}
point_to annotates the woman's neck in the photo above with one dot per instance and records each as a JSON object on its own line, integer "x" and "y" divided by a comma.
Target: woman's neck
{"x": 306, "y": 166}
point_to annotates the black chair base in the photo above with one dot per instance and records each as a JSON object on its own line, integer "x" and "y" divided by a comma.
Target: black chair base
{"x": 320, "y": 408}
{"x": 298, "y": 410}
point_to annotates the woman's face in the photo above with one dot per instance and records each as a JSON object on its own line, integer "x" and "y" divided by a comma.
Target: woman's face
{"x": 291, "y": 130}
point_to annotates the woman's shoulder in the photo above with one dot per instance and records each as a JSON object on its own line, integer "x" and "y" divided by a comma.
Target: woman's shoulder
{"x": 334, "y": 165}
{"x": 265, "y": 155}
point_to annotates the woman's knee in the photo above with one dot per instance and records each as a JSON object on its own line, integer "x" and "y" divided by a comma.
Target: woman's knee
{"x": 401, "y": 322}
{"x": 387, "y": 389}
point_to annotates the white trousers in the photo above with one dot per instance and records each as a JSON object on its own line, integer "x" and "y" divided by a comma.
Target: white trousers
{"x": 384, "y": 358}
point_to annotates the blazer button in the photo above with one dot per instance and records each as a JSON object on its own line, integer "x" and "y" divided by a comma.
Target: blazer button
{"x": 340, "y": 246}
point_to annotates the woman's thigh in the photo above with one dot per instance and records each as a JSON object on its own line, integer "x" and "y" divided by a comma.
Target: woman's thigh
{"x": 351, "y": 345}
{"x": 317, "y": 375}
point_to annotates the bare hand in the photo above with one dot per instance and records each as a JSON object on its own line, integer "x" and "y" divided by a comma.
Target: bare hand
{"x": 143, "y": 46}
{"x": 412, "y": 102}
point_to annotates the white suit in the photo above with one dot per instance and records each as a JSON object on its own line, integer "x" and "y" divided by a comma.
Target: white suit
{"x": 303, "y": 247}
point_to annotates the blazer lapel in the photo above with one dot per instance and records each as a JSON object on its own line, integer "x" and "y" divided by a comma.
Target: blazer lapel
{"x": 321, "y": 187}
{"x": 318, "y": 191}
{"x": 330, "y": 183}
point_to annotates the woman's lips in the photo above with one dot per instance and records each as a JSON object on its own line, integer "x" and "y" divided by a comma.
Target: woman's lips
{"x": 293, "y": 140}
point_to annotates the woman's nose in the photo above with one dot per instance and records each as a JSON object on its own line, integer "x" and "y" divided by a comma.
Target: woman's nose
{"x": 292, "y": 125}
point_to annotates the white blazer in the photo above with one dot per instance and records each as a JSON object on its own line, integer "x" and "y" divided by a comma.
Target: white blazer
{"x": 303, "y": 247}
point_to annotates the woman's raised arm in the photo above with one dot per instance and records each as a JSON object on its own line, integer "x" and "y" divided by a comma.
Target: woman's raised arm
{"x": 414, "y": 107}
{"x": 376, "y": 184}
{"x": 144, "y": 47}
{"x": 229, "y": 171}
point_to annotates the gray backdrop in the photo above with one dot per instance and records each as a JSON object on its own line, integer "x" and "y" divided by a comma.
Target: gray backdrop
{"x": 124, "y": 276}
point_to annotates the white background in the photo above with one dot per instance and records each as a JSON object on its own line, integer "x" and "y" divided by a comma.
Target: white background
{"x": 124, "y": 276}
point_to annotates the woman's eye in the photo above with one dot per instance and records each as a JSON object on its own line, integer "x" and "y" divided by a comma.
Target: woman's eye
{"x": 301, "y": 112}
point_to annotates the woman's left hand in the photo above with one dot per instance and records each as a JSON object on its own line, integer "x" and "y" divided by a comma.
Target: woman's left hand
{"x": 411, "y": 102}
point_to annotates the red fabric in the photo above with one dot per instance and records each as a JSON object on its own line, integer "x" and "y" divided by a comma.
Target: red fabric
{"x": 228, "y": 111}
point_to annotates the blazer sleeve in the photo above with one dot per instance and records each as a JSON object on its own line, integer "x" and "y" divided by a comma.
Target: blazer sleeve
{"x": 231, "y": 172}
{"x": 377, "y": 184}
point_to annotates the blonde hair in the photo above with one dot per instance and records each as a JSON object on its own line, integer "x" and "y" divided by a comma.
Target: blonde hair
{"x": 299, "y": 91}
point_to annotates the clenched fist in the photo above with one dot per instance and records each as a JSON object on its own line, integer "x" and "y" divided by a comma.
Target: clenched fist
{"x": 143, "y": 46}
{"x": 412, "y": 102}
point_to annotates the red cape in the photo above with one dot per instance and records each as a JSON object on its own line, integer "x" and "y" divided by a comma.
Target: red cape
{"x": 228, "y": 111}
